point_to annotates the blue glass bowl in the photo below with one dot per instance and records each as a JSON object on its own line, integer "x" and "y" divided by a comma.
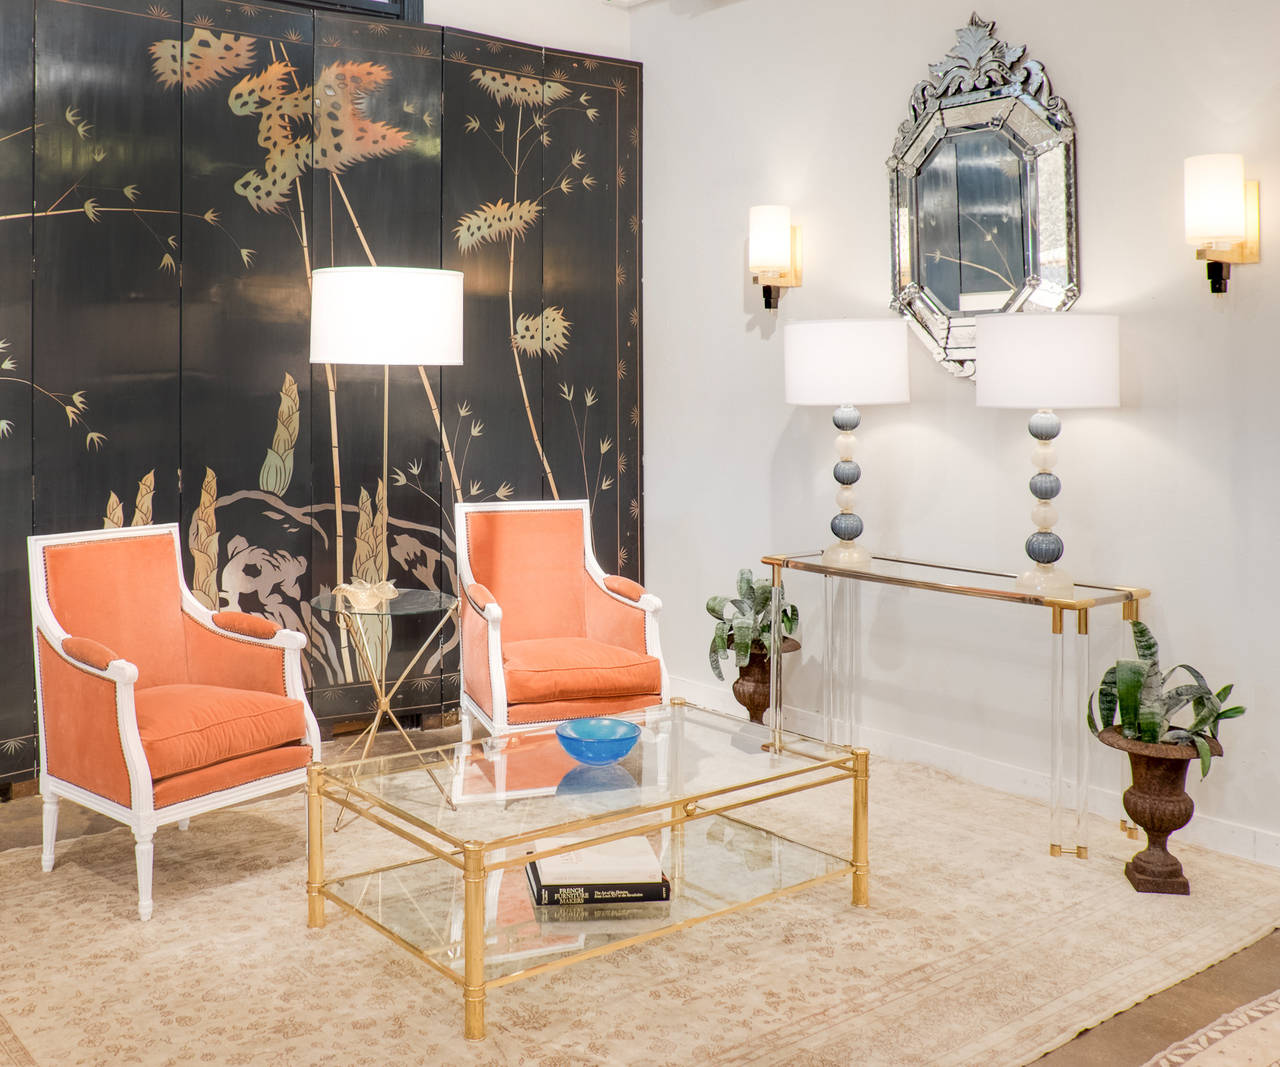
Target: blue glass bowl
{"x": 597, "y": 742}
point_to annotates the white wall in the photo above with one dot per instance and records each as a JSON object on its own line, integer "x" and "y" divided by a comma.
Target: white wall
{"x": 748, "y": 101}
{"x": 573, "y": 25}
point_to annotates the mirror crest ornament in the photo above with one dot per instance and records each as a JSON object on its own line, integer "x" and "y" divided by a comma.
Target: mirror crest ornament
{"x": 982, "y": 195}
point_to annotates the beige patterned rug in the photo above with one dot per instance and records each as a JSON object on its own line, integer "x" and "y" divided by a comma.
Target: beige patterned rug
{"x": 978, "y": 949}
{"x": 1246, "y": 1037}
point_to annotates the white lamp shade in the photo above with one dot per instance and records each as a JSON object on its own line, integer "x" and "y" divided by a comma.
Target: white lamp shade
{"x": 1214, "y": 199}
{"x": 846, "y": 361}
{"x": 769, "y": 240}
{"x": 1048, "y": 360}
{"x": 379, "y": 315}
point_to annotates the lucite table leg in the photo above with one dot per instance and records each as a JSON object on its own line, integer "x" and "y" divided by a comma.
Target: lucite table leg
{"x": 775, "y": 657}
{"x": 1056, "y": 835}
{"x": 1081, "y": 733}
{"x": 841, "y": 709}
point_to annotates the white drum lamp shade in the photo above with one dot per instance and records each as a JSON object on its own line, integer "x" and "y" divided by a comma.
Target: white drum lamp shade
{"x": 386, "y": 315}
{"x": 1213, "y": 191}
{"x": 1041, "y": 362}
{"x": 1049, "y": 360}
{"x": 846, "y": 362}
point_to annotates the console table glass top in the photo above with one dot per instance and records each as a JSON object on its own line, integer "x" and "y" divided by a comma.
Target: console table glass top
{"x": 440, "y": 870}
{"x": 959, "y": 581}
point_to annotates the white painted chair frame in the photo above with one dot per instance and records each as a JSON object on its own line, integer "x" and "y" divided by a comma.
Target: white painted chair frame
{"x": 492, "y": 613}
{"x": 141, "y": 816}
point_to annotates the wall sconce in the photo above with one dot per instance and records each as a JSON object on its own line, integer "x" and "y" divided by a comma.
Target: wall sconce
{"x": 1221, "y": 214}
{"x": 773, "y": 251}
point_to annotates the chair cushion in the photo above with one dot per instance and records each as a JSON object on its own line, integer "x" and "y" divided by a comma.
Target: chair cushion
{"x": 575, "y": 668}
{"x": 186, "y": 727}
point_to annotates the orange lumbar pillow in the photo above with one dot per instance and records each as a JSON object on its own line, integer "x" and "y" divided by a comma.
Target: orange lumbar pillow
{"x": 237, "y": 622}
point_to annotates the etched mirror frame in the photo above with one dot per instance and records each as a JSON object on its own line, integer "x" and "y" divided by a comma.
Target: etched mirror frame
{"x": 982, "y": 195}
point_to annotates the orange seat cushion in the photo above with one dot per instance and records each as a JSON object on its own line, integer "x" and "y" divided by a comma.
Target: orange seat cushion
{"x": 186, "y": 727}
{"x": 574, "y": 668}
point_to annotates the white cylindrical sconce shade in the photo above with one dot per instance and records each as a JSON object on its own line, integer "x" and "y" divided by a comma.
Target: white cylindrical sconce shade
{"x": 386, "y": 315}
{"x": 1036, "y": 360}
{"x": 1214, "y": 199}
{"x": 769, "y": 239}
{"x": 846, "y": 361}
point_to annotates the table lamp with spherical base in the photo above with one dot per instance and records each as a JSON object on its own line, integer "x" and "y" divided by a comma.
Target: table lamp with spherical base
{"x": 846, "y": 361}
{"x": 1043, "y": 361}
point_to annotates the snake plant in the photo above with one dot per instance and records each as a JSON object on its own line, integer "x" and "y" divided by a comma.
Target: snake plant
{"x": 744, "y": 620}
{"x": 1140, "y": 692}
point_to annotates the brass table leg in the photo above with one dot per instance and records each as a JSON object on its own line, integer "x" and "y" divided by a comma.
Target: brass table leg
{"x": 473, "y": 940}
{"x": 315, "y": 847}
{"x": 861, "y": 865}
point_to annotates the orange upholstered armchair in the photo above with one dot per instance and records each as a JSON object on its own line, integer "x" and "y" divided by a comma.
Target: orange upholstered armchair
{"x": 546, "y": 635}
{"x": 151, "y": 707}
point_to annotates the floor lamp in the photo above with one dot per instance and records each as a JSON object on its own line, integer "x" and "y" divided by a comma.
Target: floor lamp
{"x": 406, "y": 316}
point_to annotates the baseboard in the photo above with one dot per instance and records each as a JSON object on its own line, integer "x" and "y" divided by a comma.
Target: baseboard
{"x": 1220, "y": 835}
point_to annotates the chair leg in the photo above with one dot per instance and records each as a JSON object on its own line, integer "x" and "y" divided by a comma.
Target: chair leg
{"x": 143, "y": 852}
{"x": 465, "y": 718}
{"x": 50, "y": 830}
{"x": 183, "y": 823}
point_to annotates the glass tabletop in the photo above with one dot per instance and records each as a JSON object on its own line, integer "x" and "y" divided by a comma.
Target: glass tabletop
{"x": 515, "y": 791}
{"x": 405, "y": 602}
{"x": 962, "y": 581}
{"x": 506, "y": 786}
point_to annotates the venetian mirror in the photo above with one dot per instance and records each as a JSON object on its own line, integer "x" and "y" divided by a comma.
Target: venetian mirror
{"x": 982, "y": 195}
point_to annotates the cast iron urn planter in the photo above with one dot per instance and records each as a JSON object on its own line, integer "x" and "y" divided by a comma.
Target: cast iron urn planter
{"x": 751, "y": 690}
{"x": 1158, "y": 802}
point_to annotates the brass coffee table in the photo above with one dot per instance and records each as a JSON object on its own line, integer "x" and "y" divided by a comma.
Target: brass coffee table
{"x": 438, "y": 850}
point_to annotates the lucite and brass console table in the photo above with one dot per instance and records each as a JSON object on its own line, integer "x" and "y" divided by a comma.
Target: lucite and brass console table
{"x": 1068, "y": 822}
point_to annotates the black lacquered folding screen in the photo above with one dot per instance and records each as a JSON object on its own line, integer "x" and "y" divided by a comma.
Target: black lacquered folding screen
{"x": 190, "y": 165}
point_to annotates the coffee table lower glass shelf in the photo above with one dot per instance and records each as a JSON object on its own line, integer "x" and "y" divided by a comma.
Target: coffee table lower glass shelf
{"x": 448, "y": 884}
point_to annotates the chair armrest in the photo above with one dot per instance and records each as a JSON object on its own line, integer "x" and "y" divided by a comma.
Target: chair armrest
{"x": 85, "y": 652}
{"x": 482, "y": 601}
{"x": 238, "y": 622}
{"x": 624, "y": 587}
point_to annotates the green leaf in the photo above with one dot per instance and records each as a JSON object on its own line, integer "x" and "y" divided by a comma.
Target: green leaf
{"x": 1224, "y": 692}
{"x": 1129, "y": 676}
{"x": 1145, "y": 644}
{"x": 1151, "y": 713}
{"x": 762, "y": 597}
{"x": 719, "y": 647}
{"x": 742, "y": 638}
{"x": 745, "y": 584}
{"x": 716, "y": 606}
{"x": 1106, "y": 700}
{"x": 1206, "y": 756}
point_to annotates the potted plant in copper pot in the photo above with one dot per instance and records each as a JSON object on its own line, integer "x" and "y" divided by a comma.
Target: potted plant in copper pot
{"x": 1159, "y": 749}
{"x": 743, "y": 623}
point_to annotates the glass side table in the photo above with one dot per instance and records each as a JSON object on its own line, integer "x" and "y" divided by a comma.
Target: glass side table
{"x": 366, "y": 617}
{"x": 1068, "y": 823}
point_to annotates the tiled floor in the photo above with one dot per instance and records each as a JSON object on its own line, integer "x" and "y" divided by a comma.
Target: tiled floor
{"x": 1127, "y": 1040}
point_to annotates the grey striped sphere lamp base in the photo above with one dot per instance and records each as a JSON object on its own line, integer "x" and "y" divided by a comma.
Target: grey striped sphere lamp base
{"x": 1047, "y": 360}
{"x": 843, "y": 361}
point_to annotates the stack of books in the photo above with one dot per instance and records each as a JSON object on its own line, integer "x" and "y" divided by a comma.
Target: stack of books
{"x": 616, "y": 872}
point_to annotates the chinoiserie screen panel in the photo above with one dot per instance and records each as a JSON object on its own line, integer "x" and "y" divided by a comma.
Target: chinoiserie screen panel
{"x": 246, "y": 491}
{"x": 106, "y": 251}
{"x": 189, "y": 166}
{"x": 591, "y": 391}
{"x": 386, "y": 77}
{"x": 17, "y": 81}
